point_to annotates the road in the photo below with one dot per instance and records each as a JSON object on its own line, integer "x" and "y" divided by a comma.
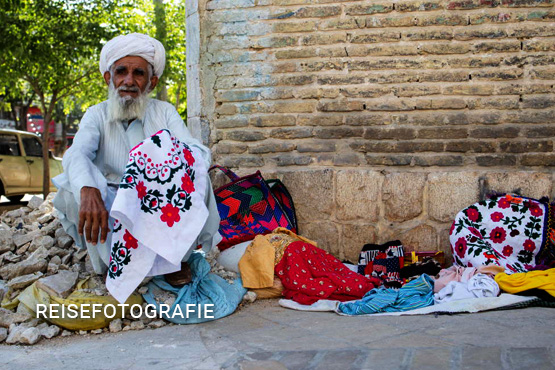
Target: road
{"x": 266, "y": 336}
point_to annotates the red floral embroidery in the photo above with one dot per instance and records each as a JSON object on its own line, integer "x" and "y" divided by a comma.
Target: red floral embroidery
{"x": 170, "y": 214}
{"x": 473, "y": 214}
{"x": 187, "y": 184}
{"x": 507, "y": 250}
{"x": 141, "y": 189}
{"x": 475, "y": 232}
{"x": 460, "y": 247}
{"x": 498, "y": 235}
{"x": 452, "y": 228}
{"x": 503, "y": 203}
{"x": 130, "y": 241}
{"x": 496, "y": 216}
{"x": 535, "y": 209}
{"x": 529, "y": 245}
{"x": 188, "y": 157}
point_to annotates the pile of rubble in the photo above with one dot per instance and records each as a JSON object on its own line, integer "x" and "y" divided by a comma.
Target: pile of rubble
{"x": 35, "y": 248}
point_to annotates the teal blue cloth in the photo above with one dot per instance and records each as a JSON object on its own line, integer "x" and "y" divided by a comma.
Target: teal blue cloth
{"x": 205, "y": 288}
{"x": 415, "y": 294}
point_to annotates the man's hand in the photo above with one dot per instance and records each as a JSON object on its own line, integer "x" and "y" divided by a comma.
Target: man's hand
{"x": 93, "y": 216}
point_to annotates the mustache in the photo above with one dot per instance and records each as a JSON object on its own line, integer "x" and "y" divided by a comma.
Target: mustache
{"x": 128, "y": 88}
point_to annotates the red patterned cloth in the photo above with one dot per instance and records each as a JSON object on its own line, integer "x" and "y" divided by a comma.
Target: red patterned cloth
{"x": 309, "y": 274}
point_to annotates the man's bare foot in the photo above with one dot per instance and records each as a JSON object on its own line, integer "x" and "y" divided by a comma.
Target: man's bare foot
{"x": 181, "y": 277}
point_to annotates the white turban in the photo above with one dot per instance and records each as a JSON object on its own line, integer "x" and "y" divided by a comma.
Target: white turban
{"x": 134, "y": 44}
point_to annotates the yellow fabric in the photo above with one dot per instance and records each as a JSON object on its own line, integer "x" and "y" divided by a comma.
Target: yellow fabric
{"x": 522, "y": 281}
{"x": 272, "y": 292}
{"x": 257, "y": 264}
{"x": 32, "y": 296}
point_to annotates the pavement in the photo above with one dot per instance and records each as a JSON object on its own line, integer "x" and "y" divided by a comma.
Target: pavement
{"x": 264, "y": 335}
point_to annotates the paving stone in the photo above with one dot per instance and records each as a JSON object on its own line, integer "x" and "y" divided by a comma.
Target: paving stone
{"x": 529, "y": 358}
{"x": 481, "y": 358}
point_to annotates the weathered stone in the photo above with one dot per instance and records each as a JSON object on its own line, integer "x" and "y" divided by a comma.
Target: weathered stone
{"x": 3, "y": 334}
{"x": 66, "y": 333}
{"x": 8, "y": 318}
{"x": 32, "y": 264}
{"x": 154, "y": 324}
{"x": 49, "y": 331}
{"x": 57, "y": 251}
{"x": 64, "y": 241}
{"x": 115, "y": 326}
{"x": 45, "y": 218}
{"x": 15, "y": 334}
{"x": 96, "y": 331}
{"x": 357, "y": 195}
{"x": 6, "y": 238}
{"x": 137, "y": 325}
{"x": 326, "y": 234}
{"x": 35, "y": 202}
{"x": 354, "y": 238}
{"x": 20, "y": 239}
{"x": 56, "y": 260}
{"x": 3, "y": 289}
{"x": 11, "y": 257}
{"x": 448, "y": 193}
{"x": 312, "y": 192}
{"x": 24, "y": 281}
{"x": 59, "y": 285}
{"x": 79, "y": 255}
{"x": 533, "y": 185}
{"x": 52, "y": 268}
{"x": 29, "y": 336}
{"x": 420, "y": 238}
{"x": 45, "y": 241}
{"x": 402, "y": 195}
{"x": 21, "y": 251}
{"x": 51, "y": 228}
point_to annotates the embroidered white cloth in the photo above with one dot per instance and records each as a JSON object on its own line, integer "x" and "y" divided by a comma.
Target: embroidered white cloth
{"x": 159, "y": 211}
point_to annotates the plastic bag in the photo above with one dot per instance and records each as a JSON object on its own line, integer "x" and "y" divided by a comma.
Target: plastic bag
{"x": 32, "y": 296}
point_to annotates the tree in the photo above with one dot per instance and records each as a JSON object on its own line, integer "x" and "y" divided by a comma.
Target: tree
{"x": 52, "y": 45}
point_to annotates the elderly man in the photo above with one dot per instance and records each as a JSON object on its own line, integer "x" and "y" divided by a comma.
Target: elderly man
{"x": 131, "y": 66}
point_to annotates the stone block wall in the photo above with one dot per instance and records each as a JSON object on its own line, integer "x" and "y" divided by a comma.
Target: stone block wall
{"x": 384, "y": 118}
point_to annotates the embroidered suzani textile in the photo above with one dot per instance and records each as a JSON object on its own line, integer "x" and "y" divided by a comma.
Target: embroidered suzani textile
{"x": 159, "y": 211}
{"x": 505, "y": 230}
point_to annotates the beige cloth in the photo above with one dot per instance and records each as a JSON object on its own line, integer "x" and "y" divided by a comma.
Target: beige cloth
{"x": 257, "y": 264}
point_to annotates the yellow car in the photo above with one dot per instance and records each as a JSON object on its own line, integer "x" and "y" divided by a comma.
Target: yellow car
{"x": 21, "y": 164}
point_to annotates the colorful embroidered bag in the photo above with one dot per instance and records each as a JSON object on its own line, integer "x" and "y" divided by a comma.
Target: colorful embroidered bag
{"x": 249, "y": 206}
{"x": 383, "y": 261}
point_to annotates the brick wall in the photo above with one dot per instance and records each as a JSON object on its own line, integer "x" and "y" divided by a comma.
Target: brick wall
{"x": 383, "y": 117}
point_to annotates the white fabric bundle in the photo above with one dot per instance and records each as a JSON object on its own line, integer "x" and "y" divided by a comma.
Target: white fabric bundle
{"x": 134, "y": 44}
{"x": 478, "y": 286}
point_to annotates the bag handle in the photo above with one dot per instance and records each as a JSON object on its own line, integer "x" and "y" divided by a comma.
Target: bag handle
{"x": 225, "y": 170}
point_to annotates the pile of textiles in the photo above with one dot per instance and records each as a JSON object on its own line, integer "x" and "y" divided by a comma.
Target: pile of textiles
{"x": 304, "y": 272}
{"x": 398, "y": 290}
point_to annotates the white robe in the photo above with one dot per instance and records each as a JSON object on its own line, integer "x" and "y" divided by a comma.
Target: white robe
{"x": 97, "y": 158}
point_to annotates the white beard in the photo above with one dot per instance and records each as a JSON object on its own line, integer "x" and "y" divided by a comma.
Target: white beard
{"x": 125, "y": 108}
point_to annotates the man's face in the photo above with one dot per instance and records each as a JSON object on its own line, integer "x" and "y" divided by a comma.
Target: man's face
{"x": 130, "y": 76}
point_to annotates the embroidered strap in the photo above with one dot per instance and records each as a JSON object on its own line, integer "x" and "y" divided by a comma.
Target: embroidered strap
{"x": 225, "y": 170}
